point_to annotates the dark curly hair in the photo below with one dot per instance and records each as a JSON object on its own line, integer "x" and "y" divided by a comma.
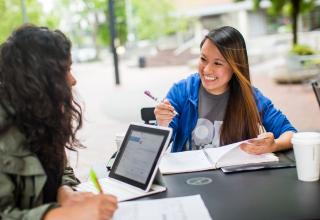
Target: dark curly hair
{"x": 34, "y": 63}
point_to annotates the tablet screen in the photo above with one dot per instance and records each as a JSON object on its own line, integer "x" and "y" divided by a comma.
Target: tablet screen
{"x": 139, "y": 154}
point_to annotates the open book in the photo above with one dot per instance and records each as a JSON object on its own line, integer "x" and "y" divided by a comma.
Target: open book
{"x": 210, "y": 158}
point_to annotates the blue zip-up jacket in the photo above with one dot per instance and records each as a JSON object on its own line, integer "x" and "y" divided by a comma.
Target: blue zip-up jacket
{"x": 184, "y": 96}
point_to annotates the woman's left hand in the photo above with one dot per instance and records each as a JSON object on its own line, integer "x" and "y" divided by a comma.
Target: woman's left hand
{"x": 67, "y": 197}
{"x": 264, "y": 143}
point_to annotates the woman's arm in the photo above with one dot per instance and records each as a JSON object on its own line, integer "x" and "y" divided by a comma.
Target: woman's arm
{"x": 267, "y": 143}
{"x": 284, "y": 141}
{"x": 97, "y": 207}
{"x": 93, "y": 207}
{"x": 273, "y": 120}
{"x": 8, "y": 207}
{"x": 69, "y": 177}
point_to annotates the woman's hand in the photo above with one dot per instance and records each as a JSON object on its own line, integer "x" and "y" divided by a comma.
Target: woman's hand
{"x": 68, "y": 197}
{"x": 164, "y": 113}
{"x": 95, "y": 207}
{"x": 102, "y": 207}
{"x": 265, "y": 143}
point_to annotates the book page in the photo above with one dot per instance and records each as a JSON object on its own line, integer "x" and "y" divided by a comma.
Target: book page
{"x": 218, "y": 152}
{"x": 183, "y": 162}
{"x": 236, "y": 156}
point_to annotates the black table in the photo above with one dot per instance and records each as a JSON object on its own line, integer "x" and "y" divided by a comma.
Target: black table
{"x": 264, "y": 194}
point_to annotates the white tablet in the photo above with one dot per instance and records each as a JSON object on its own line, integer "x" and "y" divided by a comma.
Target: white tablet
{"x": 138, "y": 158}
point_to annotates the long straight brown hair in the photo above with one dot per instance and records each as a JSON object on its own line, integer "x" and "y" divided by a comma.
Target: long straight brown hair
{"x": 242, "y": 119}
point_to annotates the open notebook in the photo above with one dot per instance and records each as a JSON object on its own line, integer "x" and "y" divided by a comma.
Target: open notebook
{"x": 136, "y": 165}
{"x": 210, "y": 158}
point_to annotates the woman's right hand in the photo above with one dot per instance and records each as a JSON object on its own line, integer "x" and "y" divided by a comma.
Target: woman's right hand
{"x": 164, "y": 113}
{"x": 97, "y": 207}
{"x": 102, "y": 207}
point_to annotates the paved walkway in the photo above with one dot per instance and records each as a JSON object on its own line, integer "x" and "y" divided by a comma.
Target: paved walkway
{"x": 108, "y": 109}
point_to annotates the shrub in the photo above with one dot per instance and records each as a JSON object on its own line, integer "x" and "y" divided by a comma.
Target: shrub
{"x": 300, "y": 49}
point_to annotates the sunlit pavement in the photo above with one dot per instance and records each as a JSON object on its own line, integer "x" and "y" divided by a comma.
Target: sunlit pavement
{"x": 108, "y": 109}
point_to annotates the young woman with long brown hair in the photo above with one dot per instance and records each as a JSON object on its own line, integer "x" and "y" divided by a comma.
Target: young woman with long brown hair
{"x": 39, "y": 119}
{"x": 219, "y": 106}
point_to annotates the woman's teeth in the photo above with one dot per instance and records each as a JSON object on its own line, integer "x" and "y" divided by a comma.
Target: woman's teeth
{"x": 210, "y": 77}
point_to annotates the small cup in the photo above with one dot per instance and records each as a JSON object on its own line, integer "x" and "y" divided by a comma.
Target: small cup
{"x": 306, "y": 146}
{"x": 119, "y": 139}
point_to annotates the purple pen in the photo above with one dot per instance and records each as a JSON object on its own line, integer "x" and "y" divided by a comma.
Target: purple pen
{"x": 148, "y": 93}
{"x": 157, "y": 100}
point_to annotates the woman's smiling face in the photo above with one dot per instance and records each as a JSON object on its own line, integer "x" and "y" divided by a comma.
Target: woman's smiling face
{"x": 214, "y": 70}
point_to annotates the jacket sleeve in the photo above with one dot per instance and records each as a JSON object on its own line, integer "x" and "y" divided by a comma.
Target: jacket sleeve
{"x": 8, "y": 207}
{"x": 273, "y": 119}
{"x": 69, "y": 178}
{"x": 176, "y": 98}
{"x": 171, "y": 96}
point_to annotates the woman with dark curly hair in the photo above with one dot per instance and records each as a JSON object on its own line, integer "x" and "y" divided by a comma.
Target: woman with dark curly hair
{"x": 39, "y": 118}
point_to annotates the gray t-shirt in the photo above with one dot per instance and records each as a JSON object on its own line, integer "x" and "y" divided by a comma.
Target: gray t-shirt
{"x": 211, "y": 111}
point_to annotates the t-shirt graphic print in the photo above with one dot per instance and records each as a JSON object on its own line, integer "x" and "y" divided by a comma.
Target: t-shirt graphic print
{"x": 206, "y": 134}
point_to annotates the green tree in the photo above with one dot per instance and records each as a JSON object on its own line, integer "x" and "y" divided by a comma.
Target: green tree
{"x": 95, "y": 14}
{"x": 11, "y": 16}
{"x": 155, "y": 18}
{"x": 151, "y": 18}
{"x": 293, "y": 8}
{"x": 121, "y": 22}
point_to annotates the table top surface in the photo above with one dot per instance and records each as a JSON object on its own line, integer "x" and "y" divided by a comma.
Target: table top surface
{"x": 263, "y": 194}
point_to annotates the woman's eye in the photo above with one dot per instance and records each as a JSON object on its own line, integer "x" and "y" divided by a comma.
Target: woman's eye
{"x": 217, "y": 63}
{"x": 203, "y": 59}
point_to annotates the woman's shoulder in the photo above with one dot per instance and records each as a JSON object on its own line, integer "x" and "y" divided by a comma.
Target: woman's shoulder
{"x": 16, "y": 157}
{"x": 187, "y": 87}
{"x": 191, "y": 79}
{"x": 258, "y": 94}
{"x": 12, "y": 141}
{"x": 187, "y": 84}
{"x": 261, "y": 100}
{"x": 3, "y": 118}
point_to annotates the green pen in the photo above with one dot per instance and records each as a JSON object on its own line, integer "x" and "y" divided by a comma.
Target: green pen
{"x": 95, "y": 181}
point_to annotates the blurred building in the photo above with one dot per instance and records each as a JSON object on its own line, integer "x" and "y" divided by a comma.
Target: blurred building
{"x": 214, "y": 13}
{"x": 266, "y": 36}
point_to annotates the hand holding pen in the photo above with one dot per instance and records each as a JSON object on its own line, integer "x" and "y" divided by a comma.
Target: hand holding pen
{"x": 164, "y": 111}
{"x": 83, "y": 205}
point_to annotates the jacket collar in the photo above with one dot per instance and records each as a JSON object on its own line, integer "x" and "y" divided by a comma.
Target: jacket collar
{"x": 193, "y": 88}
